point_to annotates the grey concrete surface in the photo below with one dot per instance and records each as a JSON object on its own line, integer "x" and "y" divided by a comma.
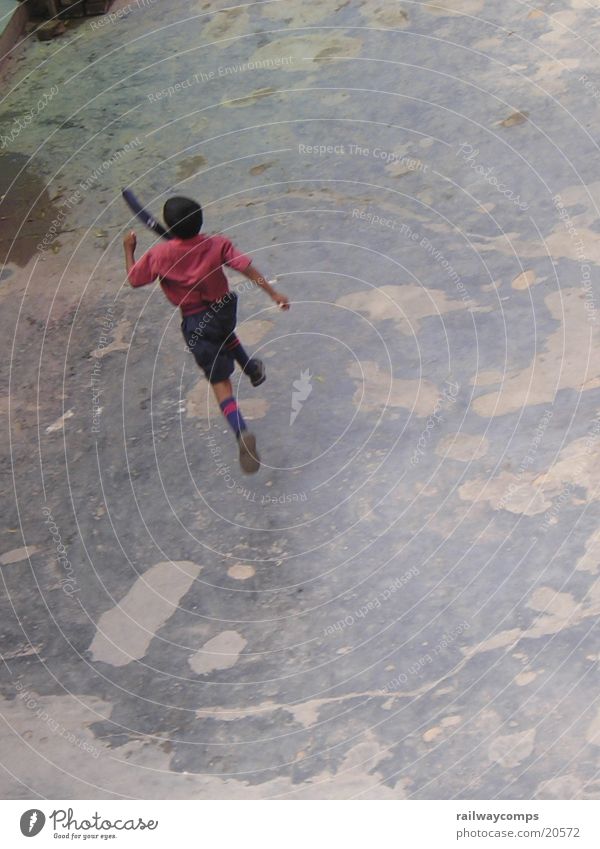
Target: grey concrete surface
{"x": 404, "y": 602}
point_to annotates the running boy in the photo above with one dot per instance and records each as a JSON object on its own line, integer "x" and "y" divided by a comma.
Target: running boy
{"x": 189, "y": 267}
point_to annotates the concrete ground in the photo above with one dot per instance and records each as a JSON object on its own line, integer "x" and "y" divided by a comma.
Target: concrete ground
{"x": 404, "y": 602}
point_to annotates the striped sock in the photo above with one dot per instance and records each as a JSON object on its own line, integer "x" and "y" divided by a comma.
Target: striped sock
{"x": 237, "y": 351}
{"x": 231, "y": 411}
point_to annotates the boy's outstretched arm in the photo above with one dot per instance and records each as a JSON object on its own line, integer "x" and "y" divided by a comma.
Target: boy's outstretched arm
{"x": 129, "y": 244}
{"x": 142, "y": 272}
{"x": 253, "y": 274}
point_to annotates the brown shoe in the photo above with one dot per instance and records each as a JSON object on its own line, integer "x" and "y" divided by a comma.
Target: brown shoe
{"x": 249, "y": 459}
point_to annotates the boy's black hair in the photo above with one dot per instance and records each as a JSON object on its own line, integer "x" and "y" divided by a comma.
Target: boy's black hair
{"x": 183, "y": 217}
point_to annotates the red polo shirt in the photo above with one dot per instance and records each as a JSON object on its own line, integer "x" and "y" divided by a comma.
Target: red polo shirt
{"x": 190, "y": 270}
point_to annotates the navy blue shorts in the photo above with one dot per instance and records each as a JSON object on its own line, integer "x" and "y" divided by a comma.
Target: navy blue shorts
{"x": 207, "y": 332}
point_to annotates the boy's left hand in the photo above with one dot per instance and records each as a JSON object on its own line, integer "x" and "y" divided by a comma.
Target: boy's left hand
{"x": 282, "y": 301}
{"x": 130, "y": 240}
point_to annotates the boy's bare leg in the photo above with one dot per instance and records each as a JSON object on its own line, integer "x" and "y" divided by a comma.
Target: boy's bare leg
{"x": 223, "y": 390}
{"x": 249, "y": 459}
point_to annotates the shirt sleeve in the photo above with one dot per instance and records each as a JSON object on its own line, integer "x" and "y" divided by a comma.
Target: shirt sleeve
{"x": 144, "y": 270}
{"x": 233, "y": 258}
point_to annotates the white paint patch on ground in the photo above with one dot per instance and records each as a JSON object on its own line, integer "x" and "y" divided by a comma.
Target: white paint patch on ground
{"x": 548, "y": 600}
{"x": 558, "y": 611}
{"x": 222, "y": 652}
{"x": 141, "y": 768}
{"x": 432, "y": 734}
{"x": 531, "y": 494}
{"x": 125, "y": 632}
{"x": 496, "y": 641}
{"x": 486, "y": 378}
{"x": 462, "y": 446}
{"x": 524, "y": 280}
{"x": 60, "y": 423}
{"x": 253, "y": 331}
{"x": 451, "y": 721}
{"x": 306, "y": 50}
{"x": 592, "y": 734}
{"x": 562, "y": 364}
{"x": 525, "y": 677}
{"x": 241, "y": 571}
{"x": 561, "y": 787}
{"x": 305, "y": 713}
{"x": 253, "y": 408}
{"x": 507, "y": 492}
{"x": 512, "y": 749}
{"x": 377, "y": 389}
{"x": 562, "y": 24}
{"x": 590, "y": 559}
{"x": 405, "y": 305}
{"x": 560, "y": 243}
{"x": 553, "y": 74}
{"x": 17, "y": 555}
{"x": 200, "y": 403}
{"x": 119, "y": 342}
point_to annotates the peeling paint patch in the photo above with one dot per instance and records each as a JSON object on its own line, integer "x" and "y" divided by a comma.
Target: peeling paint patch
{"x": 512, "y": 749}
{"x": 548, "y": 600}
{"x": 143, "y": 763}
{"x": 378, "y": 389}
{"x": 463, "y": 446}
{"x": 590, "y": 560}
{"x": 241, "y": 571}
{"x": 222, "y": 652}
{"x": 524, "y": 280}
{"x": 199, "y": 401}
{"x": 432, "y": 734}
{"x": 59, "y": 423}
{"x": 507, "y": 492}
{"x": 254, "y": 330}
{"x": 561, "y": 787}
{"x": 532, "y": 494}
{"x": 497, "y": 641}
{"x": 593, "y": 731}
{"x": 17, "y": 555}
{"x": 565, "y": 363}
{"x": 525, "y": 677}
{"x": 125, "y": 632}
{"x": 406, "y": 305}
{"x": 119, "y": 343}
{"x": 254, "y": 408}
